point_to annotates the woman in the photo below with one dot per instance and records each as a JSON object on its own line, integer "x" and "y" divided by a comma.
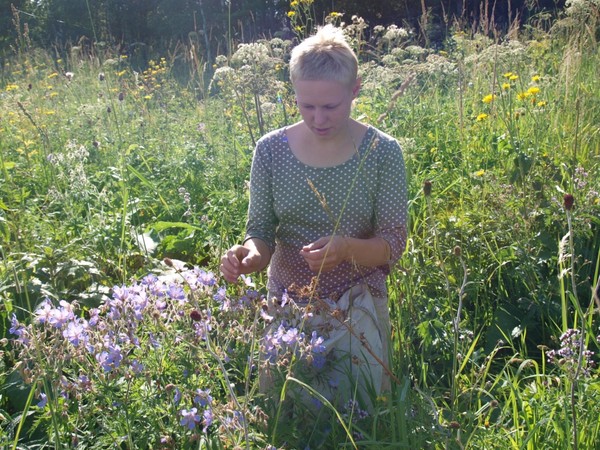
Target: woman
{"x": 328, "y": 197}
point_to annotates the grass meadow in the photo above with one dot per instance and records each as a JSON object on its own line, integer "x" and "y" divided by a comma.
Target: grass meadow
{"x": 122, "y": 181}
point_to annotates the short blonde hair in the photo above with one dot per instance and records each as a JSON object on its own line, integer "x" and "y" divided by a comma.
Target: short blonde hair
{"x": 325, "y": 55}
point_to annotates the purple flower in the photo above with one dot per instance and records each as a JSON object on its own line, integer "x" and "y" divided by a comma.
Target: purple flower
{"x": 153, "y": 341}
{"x": 176, "y": 292}
{"x": 44, "y": 311}
{"x": 221, "y": 295}
{"x": 75, "y": 332}
{"x": 111, "y": 359}
{"x": 18, "y": 330}
{"x": 291, "y": 336}
{"x": 149, "y": 280}
{"x": 61, "y": 316}
{"x": 207, "y": 420}
{"x": 94, "y": 317}
{"x": 203, "y": 397}
{"x": 43, "y": 400}
{"x": 137, "y": 367}
{"x": 121, "y": 293}
{"x": 177, "y": 396}
{"x": 206, "y": 278}
{"x": 189, "y": 418}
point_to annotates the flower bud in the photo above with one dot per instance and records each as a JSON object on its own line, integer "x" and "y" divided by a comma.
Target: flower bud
{"x": 568, "y": 200}
{"x": 427, "y": 188}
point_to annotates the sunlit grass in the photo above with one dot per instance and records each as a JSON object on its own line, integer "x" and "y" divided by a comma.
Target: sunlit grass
{"x": 106, "y": 169}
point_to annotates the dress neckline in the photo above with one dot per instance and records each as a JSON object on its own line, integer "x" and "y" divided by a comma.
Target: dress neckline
{"x": 359, "y": 150}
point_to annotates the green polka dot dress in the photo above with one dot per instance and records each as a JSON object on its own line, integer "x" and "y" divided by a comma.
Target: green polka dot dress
{"x": 293, "y": 204}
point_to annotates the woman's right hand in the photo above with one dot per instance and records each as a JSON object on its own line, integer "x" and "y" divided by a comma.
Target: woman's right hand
{"x": 240, "y": 260}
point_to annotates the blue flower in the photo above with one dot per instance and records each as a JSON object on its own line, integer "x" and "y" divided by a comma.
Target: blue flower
{"x": 43, "y": 400}
{"x": 207, "y": 420}
{"x": 189, "y": 418}
{"x": 203, "y": 397}
{"x": 177, "y": 396}
{"x": 18, "y": 330}
{"x": 75, "y": 332}
{"x": 176, "y": 292}
{"x": 110, "y": 359}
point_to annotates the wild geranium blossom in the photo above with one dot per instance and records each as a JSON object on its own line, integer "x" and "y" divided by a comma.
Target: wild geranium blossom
{"x": 189, "y": 418}
{"x": 145, "y": 335}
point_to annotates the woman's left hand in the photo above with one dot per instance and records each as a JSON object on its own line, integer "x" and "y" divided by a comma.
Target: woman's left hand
{"x": 326, "y": 253}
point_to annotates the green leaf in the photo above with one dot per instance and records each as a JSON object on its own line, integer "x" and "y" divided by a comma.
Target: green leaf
{"x": 162, "y": 226}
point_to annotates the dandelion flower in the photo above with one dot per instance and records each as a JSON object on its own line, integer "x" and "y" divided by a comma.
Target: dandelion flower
{"x": 506, "y": 86}
{"x": 291, "y": 14}
{"x": 481, "y": 117}
{"x": 488, "y": 98}
{"x": 535, "y": 78}
{"x": 534, "y": 90}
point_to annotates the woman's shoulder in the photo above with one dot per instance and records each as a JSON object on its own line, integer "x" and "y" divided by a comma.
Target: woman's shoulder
{"x": 382, "y": 138}
{"x": 272, "y": 138}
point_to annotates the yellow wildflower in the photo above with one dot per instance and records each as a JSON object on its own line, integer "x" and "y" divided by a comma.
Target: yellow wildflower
{"x": 294, "y": 4}
{"x": 147, "y": 97}
{"x": 508, "y": 75}
{"x": 506, "y": 86}
{"x": 533, "y": 90}
{"x": 53, "y": 75}
{"x": 479, "y": 173}
{"x": 513, "y": 77}
{"x": 53, "y": 94}
{"x": 481, "y": 117}
{"x": 291, "y": 14}
{"x": 121, "y": 73}
{"x": 11, "y": 87}
{"x": 535, "y": 78}
{"x": 488, "y": 98}
{"x": 523, "y": 95}
{"x": 541, "y": 104}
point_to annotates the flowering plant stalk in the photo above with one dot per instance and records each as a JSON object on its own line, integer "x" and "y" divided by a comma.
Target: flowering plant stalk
{"x": 139, "y": 368}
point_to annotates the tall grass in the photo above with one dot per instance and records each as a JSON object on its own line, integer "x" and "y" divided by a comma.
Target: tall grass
{"x": 106, "y": 170}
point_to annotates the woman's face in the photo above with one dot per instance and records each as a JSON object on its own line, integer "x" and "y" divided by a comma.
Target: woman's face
{"x": 325, "y": 106}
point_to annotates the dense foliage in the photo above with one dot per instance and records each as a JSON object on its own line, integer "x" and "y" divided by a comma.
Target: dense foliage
{"x": 120, "y": 187}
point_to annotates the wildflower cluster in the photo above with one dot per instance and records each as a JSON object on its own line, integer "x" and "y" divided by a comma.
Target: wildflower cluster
{"x": 567, "y": 356}
{"x": 149, "y": 340}
{"x": 289, "y": 336}
{"x": 70, "y": 169}
{"x": 301, "y": 17}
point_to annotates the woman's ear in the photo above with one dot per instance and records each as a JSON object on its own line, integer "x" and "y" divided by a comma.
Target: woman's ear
{"x": 356, "y": 88}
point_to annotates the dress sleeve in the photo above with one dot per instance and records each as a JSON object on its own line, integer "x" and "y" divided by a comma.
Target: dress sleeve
{"x": 262, "y": 221}
{"x": 391, "y": 204}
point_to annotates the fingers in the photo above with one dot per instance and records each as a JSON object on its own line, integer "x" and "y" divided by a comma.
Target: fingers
{"x": 325, "y": 253}
{"x": 231, "y": 263}
{"x": 319, "y": 256}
